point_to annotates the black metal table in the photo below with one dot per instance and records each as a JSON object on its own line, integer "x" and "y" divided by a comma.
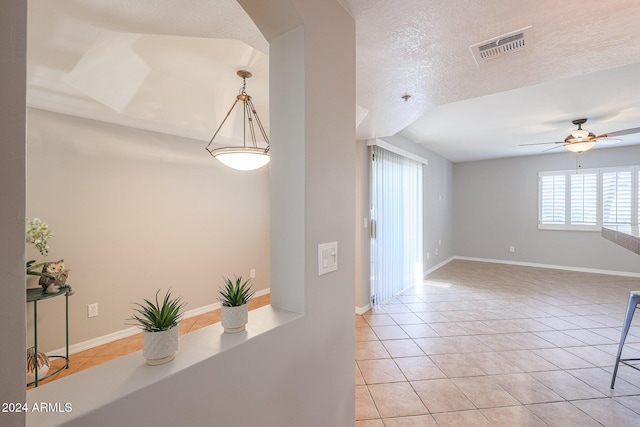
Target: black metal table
{"x": 37, "y": 294}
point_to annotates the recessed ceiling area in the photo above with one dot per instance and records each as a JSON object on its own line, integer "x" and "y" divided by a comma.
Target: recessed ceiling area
{"x": 169, "y": 66}
{"x": 166, "y": 66}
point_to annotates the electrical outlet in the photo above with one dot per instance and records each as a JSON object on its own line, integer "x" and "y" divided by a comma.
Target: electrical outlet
{"x": 252, "y": 273}
{"x": 512, "y": 249}
{"x": 436, "y": 251}
{"x": 92, "y": 310}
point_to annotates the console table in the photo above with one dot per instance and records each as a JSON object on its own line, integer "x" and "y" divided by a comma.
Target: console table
{"x": 37, "y": 294}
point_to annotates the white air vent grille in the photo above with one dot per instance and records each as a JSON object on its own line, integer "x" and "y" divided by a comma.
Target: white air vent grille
{"x": 502, "y": 45}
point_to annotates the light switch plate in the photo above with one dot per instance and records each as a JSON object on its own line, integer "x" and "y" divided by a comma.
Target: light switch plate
{"x": 327, "y": 257}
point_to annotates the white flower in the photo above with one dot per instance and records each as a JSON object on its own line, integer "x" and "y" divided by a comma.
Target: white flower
{"x": 38, "y": 233}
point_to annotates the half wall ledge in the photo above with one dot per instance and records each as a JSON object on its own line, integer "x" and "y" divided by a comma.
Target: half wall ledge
{"x": 99, "y": 386}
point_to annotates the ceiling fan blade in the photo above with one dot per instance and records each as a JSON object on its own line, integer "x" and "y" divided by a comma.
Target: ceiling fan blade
{"x": 608, "y": 141}
{"x": 619, "y": 133}
{"x": 553, "y": 148}
{"x": 542, "y": 143}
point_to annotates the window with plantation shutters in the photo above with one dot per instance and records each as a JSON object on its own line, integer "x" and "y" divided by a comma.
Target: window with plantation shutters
{"x": 584, "y": 199}
{"x": 617, "y": 197}
{"x": 587, "y": 199}
{"x": 552, "y": 199}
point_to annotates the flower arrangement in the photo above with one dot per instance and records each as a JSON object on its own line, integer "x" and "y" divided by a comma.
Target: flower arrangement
{"x": 38, "y": 234}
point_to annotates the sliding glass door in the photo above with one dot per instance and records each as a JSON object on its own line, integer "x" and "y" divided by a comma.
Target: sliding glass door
{"x": 396, "y": 224}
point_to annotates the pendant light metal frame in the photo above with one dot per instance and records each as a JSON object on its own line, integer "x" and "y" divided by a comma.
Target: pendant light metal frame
{"x": 249, "y": 151}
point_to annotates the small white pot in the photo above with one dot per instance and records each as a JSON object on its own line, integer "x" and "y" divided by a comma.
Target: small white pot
{"x": 234, "y": 319}
{"x": 160, "y": 347}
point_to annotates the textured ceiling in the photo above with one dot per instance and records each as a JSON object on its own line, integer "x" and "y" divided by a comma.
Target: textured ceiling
{"x": 169, "y": 66}
{"x": 422, "y": 48}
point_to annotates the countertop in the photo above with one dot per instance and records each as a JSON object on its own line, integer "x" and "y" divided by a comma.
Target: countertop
{"x": 624, "y": 235}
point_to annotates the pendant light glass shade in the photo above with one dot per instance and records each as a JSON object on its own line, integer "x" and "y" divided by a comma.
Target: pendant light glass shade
{"x": 241, "y": 158}
{"x": 244, "y": 157}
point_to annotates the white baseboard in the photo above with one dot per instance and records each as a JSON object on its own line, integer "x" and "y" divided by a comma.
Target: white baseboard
{"x": 552, "y": 266}
{"x": 435, "y": 267}
{"x": 124, "y": 333}
{"x": 262, "y": 292}
{"x": 95, "y": 342}
{"x": 363, "y": 310}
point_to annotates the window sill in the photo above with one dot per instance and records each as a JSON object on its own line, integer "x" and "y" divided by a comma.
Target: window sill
{"x": 91, "y": 389}
{"x": 569, "y": 228}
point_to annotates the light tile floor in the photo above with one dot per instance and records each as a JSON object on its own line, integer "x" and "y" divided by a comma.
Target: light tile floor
{"x": 487, "y": 344}
{"x": 481, "y": 344}
{"x": 97, "y": 355}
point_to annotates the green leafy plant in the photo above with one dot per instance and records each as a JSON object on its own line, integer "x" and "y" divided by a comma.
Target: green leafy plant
{"x": 156, "y": 317}
{"x": 235, "y": 293}
{"x": 31, "y": 269}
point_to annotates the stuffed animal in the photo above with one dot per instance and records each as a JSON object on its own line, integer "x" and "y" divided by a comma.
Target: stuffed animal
{"x": 57, "y": 276}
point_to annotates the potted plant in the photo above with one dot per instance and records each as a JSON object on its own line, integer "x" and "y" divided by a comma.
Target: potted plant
{"x": 160, "y": 324}
{"x": 234, "y": 297}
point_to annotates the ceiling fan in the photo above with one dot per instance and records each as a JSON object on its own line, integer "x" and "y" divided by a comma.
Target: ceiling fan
{"x": 581, "y": 140}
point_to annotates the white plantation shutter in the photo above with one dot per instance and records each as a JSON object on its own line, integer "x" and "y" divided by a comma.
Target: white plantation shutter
{"x": 587, "y": 199}
{"x": 584, "y": 198}
{"x": 617, "y": 197}
{"x": 553, "y": 199}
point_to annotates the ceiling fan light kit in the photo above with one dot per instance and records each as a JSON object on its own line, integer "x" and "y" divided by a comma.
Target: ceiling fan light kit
{"x": 245, "y": 157}
{"x": 580, "y": 147}
{"x": 580, "y": 140}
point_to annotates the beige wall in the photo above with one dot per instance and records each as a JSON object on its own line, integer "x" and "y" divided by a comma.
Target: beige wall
{"x": 363, "y": 236}
{"x": 133, "y": 211}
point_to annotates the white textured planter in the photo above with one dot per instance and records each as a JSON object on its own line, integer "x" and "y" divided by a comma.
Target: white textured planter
{"x": 234, "y": 319}
{"x": 160, "y": 347}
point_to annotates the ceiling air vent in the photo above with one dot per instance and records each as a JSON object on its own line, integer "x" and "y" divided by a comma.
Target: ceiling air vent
{"x": 502, "y": 45}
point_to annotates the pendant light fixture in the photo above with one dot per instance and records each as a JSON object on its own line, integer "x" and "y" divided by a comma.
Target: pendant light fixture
{"x": 245, "y": 157}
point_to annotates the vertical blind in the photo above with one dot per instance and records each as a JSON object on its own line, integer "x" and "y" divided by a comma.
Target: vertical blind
{"x": 396, "y": 224}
